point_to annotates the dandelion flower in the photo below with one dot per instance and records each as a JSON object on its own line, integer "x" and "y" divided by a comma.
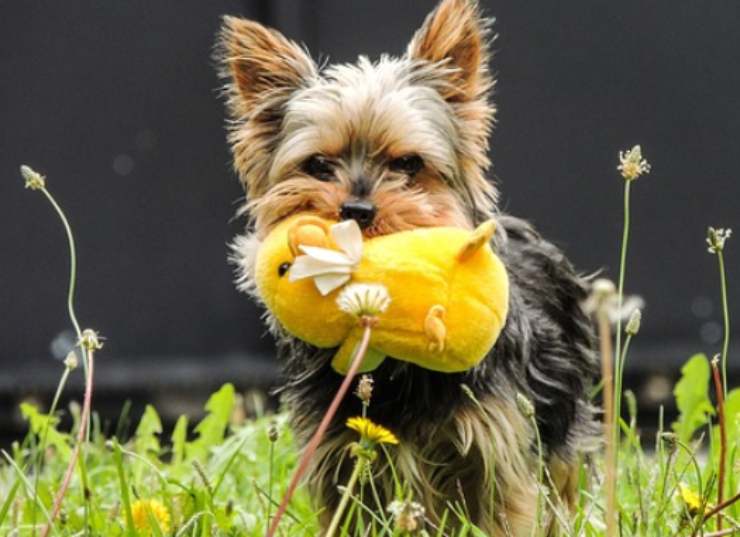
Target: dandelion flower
{"x": 364, "y": 299}
{"x": 140, "y": 510}
{"x": 371, "y": 432}
{"x": 604, "y": 298}
{"x": 632, "y": 165}
{"x": 716, "y": 239}
{"x": 692, "y": 500}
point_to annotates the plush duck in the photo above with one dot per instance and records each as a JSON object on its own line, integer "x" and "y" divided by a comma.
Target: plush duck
{"x": 448, "y": 291}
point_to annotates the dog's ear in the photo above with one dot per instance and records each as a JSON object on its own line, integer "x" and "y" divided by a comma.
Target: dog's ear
{"x": 456, "y": 36}
{"x": 455, "y": 39}
{"x": 259, "y": 62}
{"x": 263, "y": 70}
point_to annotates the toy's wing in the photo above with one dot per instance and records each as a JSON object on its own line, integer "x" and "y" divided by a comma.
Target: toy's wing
{"x": 330, "y": 268}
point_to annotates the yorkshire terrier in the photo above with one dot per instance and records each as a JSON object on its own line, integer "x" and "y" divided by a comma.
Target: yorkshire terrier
{"x": 396, "y": 144}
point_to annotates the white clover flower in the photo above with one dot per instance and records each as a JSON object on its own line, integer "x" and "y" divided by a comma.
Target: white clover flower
{"x": 408, "y": 516}
{"x": 330, "y": 269}
{"x": 365, "y": 388}
{"x": 716, "y": 239}
{"x": 34, "y": 180}
{"x": 632, "y": 165}
{"x": 91, "y": 340}
{"x": 71, "y": 362}
{"x": 364, "y": 299}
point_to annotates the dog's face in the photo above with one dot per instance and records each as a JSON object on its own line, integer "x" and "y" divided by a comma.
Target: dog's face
{"x": 395, "y": 144}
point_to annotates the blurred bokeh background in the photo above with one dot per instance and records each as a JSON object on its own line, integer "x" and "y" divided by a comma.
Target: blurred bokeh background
{"x": 117, "y": 103}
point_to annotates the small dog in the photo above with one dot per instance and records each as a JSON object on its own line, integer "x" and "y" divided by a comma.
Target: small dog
{"x": 397, "y": 144}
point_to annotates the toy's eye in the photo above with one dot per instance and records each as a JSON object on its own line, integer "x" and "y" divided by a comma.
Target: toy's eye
{"x": 282, "y": 269}
{"x": 319, "y": 167}
{"x": 408, "y": 164}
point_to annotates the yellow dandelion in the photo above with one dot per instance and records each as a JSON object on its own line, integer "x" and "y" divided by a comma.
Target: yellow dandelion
{"x": 371, "y": 432}
{"x": 692, "y": 500}
{"x": 140, "y": 510}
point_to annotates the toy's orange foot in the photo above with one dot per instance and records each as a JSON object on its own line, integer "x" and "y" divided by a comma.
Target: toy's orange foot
{"x": 435, "y": 328}
{"x": 479, "y": 238}
{"x": 308, "y": 231}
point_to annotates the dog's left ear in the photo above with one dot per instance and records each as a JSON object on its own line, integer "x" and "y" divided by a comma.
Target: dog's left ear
{"x": 260, "y": 64}
{"x": 456, "y": 35}
{"x": 263, "y": 70}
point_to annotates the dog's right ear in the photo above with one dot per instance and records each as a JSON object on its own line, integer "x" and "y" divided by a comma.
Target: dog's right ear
{"x": 259, "y": 63}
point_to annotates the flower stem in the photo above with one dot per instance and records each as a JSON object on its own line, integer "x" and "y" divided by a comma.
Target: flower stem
{"x": 610, "y": 461}
{"x": 618, "y": 335}
{"x": 44, "y": 438}
{"x": 86, "y": 358}
{"x": 269, "y": 486}
{"x": 334, "y": 524}
{"x": 726, "y": 319}
{"x": 722, "y": 438}
{"x": 540, "y": 475}
{"x": 310, "y": 449}
{"x": 618, "y": 391}
{"x": 81, "y": 436}
{"x": 72, "y": 270}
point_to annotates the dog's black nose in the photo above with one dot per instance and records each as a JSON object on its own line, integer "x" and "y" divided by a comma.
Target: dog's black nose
{"x": 361, "y": 211}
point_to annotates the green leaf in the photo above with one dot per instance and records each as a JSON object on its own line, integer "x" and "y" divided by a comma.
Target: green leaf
{"x": 125, "y": 496}
{"x": 732, "y": 418}
{"x": 179, "y": 439}
{"x": 146, "y": 439}
{"x": 9, "y": 500}
{"x": 212, "y": 428}
{"x": 692, "y": 397}
{"x": 44, "y": 425}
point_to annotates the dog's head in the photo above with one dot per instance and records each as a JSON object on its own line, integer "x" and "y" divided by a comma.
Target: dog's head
{"x": 394, "y": 144}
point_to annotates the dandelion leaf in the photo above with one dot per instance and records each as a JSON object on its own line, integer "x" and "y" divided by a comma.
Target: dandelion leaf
{"x": 692, "y": 397}
{"x": 211, "y": 429}
{"x": 146, "y": 438}
{"x": 179, "y": 439}
{"x": 39, "y": 422}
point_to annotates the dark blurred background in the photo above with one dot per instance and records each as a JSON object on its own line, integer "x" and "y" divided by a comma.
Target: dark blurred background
{"x": 117, "y": 103}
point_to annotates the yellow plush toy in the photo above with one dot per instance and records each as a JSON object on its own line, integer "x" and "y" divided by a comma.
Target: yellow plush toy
{"x": 448, "y": 291}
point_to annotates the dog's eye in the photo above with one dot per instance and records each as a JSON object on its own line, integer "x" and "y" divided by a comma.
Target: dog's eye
{"x": 408, "y": 164}
{"x": 319, "y": 167}
{"x": 283, "y": 268}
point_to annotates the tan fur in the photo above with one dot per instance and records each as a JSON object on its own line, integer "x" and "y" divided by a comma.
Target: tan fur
{"x": 400, "y": 206}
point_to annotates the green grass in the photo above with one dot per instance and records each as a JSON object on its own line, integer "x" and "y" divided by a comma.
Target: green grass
{"x": 218, "y": 481}
{"x": 225, "y": 478}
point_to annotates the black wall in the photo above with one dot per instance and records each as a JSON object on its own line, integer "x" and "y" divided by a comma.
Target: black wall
{"x": 116, "y": 102}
